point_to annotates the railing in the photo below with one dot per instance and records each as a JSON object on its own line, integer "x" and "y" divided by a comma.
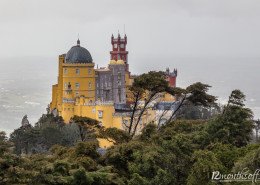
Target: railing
{"x": 99, "y": 103}
{"x": 66, "y": 100}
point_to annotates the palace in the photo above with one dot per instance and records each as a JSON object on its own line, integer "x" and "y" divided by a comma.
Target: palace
{"x": 102, "y": 93}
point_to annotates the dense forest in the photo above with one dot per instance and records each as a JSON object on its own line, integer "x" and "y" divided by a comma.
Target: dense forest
{"x": 187, "y": 149}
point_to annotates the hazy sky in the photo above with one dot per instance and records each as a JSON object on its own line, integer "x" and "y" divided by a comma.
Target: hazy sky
{"x": 212, "y": 41}
{"x": 164, "y": 28}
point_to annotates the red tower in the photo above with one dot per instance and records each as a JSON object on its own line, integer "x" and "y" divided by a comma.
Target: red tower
{"x": 119, "y": 50}
{"x": 171, "y": 77}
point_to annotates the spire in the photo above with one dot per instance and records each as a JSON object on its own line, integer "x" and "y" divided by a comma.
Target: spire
{"x": 78, "y": 42}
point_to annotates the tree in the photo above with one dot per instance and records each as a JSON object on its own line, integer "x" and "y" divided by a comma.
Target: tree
{"x": 4, "y": 144}
{"x": 195, "y": 94}
{"x": 204, "y": 163}
{"x": 86, "y": 126}
{"x": 114, "y": 135}
{"x": 235, "y": 125}
{"x": 145, "y": 87}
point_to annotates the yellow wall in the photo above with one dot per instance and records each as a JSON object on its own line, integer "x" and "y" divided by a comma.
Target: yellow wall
{"x": 83, "y": 79}
{"x": 166, "y": 97}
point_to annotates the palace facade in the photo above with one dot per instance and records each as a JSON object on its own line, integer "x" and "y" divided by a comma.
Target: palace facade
{"x": 102, "y": 93}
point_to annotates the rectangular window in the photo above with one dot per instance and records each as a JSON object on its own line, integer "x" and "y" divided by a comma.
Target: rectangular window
{"x": 89, "y": 92}
{"x": 97, "y": 84}
{"x": 100, "y": 114}
{"x": 100, "y": 123}
{"x": 171, "y": 96}
{"x": 77, "y": 85}
{"x": 65, "y": 92}
{"x": 77, "y": 92}
{"x": 89, "y": 71}
{"x": 89, "y": 85}
{"x": 68, "y": 109}
{"x": 77, "y": 71}
{"x": 65, "y": 71}
{"x": 65, "y": 85}
{"x": 94, "y": 110}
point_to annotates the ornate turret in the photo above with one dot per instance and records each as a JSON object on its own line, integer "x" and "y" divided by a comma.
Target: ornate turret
{"x": 119, "y": 50}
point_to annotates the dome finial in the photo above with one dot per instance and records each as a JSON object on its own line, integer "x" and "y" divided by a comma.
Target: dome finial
{"x": 78, "y": 41}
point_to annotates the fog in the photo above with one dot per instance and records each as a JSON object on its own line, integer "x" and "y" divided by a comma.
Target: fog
{"x": 215, "y": 42}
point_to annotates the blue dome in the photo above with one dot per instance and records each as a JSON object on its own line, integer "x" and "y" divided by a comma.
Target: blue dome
{"x": 78, "y": 54}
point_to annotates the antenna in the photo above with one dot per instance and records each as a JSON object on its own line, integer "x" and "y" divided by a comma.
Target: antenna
{"x": 78, "y": 41}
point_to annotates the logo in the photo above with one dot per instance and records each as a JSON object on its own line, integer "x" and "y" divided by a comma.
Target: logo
{"x": 241, "y": 176}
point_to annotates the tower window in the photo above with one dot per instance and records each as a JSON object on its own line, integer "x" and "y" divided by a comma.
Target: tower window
{"x": 65, "y": 85}
{"x": 65, "y": 71}
{"x": 94, "y": 110}
{"x": 89, "y": 85}
{"x": 77, "y": 71}
{"x": 77, "y": 85}
{"x": 89, "y": 92}
{"x": 115, "y": 45}
{"x": 89, "y": 71}
{"x": 122, "y": 45}
{"x": 65, "y": 92}
{"x": 100, "y": 123}
{"x": 77, "y": 92}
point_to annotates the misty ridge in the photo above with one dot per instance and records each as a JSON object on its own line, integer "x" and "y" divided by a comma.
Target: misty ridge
{"x": 25, "y": 83}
